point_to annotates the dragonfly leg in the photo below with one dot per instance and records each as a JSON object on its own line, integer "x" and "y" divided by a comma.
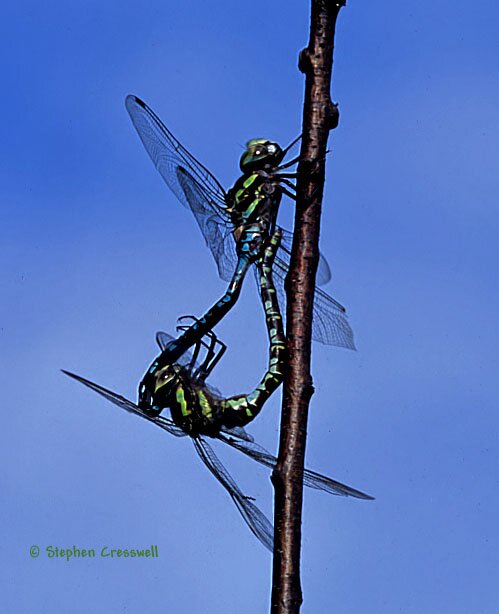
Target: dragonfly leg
{"x": 195, "y": 354}
{"x": 288, "y": 164}
{"x": 288, "y": 193}
{"x": 287, "y": 175}
{"x": 213, "y": 356}
{"x": 209, "y": 343}
{"x": 287, "y": 182}
{"x": 216, "y": 355}
{"x": 239, "y": 410}
{"x": 197, "y": 345}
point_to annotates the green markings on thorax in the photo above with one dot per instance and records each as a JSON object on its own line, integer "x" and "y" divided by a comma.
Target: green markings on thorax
{"x": 247, "y": 183}
{"x": 206, "y": 408}
{"x": 180, "y": 396}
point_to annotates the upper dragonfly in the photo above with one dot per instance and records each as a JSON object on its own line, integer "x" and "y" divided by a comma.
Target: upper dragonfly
{"x": 236, "y": 224}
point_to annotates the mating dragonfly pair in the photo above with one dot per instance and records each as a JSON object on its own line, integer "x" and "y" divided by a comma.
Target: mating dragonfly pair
{"x": 240, "y": 228}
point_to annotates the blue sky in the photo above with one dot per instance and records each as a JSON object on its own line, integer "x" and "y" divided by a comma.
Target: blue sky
{"x": 96, "y": 255}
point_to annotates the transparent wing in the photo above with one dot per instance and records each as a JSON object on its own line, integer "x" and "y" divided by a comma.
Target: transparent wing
{"x": 310, "y": 478}
{"x": 168, "y": 154}
{"x": 127, "y": 405}
{"x": 239, "y": 432}
{"x": 256, "y": 520}
{"x": 323, "y": 270}
{"x": 217, "y": 232}
{"x": 329, "y": 324}
{"x": 163, "y": 339}
{"x": 194, "y": 186}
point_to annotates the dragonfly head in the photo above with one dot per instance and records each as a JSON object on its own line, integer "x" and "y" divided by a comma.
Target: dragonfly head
{"x": 259, "y": 154}
{"x": 157, "y": 389}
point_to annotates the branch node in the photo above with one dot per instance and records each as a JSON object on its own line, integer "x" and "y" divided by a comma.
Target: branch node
{"x": 309, "y": 391}
{"x": 332, "y": 115}
{"x": 304, "y": 60}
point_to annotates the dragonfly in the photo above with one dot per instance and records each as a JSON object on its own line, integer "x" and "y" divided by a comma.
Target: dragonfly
{"x": 200, "y": 411}
{"x": 156, "y": 386}
{"x": 236, "y": 224}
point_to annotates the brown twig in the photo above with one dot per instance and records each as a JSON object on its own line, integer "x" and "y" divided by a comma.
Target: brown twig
{"x": 320, "y": 115}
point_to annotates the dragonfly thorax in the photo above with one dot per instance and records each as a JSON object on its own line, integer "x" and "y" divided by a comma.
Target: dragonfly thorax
{"x": 157, "y": 388}
{"x": 193, "y": 407}
{"x": 261, "y": 154}
{"x": 196, "y": 410}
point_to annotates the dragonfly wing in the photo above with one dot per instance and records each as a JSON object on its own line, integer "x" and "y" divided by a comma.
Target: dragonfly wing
{"x": 323, "y": 275}
{"x": 217, "y": 232}
{"x": 312, "y": 479}
{"x": 238, "y": 431}
{"x": 330, "y": 324}
{"x": 191, "y": 182}
{"x": 127, "y": 405}
{"x": 164, "y": 339}
{"x": 322, "y": 482}
{"x": 256, "y": 520}
{"x": 168, "y": 154}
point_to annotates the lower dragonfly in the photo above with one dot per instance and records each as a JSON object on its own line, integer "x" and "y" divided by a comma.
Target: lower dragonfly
{"x": 236, "y": 224}
{"x": 199, "y": 410}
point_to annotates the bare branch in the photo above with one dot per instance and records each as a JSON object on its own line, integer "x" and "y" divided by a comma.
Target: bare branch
{"x": 320, "y": 115}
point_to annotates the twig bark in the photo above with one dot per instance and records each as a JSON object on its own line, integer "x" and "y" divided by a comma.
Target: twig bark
{"x": 320, "y": 115}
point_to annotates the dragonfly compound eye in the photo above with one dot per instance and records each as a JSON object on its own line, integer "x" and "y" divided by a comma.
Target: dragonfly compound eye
{"x": 165, "y": 380}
